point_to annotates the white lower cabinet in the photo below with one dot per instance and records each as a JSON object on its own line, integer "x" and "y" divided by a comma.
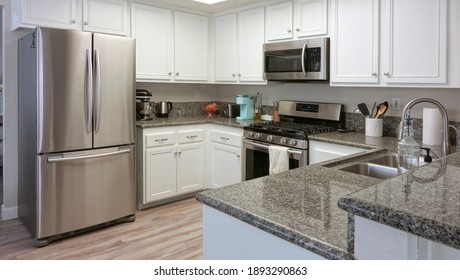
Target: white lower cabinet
{"x": 225, "y": 156}
{"x": 170, "y": 163}
{"x": 322, "y": 151}
{"x": 375, "y": 241}
{"x": 225, "y": 165}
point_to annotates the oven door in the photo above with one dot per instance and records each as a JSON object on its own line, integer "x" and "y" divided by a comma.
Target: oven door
{"x": 256, "y": 160}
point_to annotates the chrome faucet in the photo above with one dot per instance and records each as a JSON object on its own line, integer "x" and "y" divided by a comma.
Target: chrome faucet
{"x": 445, "y": 121}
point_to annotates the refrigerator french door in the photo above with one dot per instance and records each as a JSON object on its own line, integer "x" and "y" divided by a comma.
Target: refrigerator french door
{"x": 76, "y": 166}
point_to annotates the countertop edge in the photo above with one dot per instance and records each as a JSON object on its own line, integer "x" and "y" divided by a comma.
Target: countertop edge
{"x": 316, "y": 246}
{"x": 423, "y": 227}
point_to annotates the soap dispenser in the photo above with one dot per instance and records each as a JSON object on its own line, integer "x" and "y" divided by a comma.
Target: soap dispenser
{"x": 408, "y": 148}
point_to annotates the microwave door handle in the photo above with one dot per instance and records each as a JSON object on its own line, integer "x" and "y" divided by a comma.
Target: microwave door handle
{"x": 303, "y": 59}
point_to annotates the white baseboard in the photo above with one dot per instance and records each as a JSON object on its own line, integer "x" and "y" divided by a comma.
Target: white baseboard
{"x": 9, "y": 213}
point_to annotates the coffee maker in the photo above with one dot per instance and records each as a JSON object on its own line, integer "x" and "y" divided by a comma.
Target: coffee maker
{"x": 246, "y": 103}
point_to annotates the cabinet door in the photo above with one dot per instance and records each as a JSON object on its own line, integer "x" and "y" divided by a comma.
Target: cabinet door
{"x": 190, "y": 167}
{"x": 250, "y": 45}
{"x": 106, "y": 16}
{"x": 63, "y": 14}
{"x": 279, "y": 22}
{"x": 152, "y": 28}
{"x": 225, "y": 48}
{"x": 191, "y": 47}
{"x": 311, "y": 18}
{"x": 355, "y": 41}
{"x": 415, "y": 41}
{"x": 225, "y": 165}
{"x": 160, "y": 172}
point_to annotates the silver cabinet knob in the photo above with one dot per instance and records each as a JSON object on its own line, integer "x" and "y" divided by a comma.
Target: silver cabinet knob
{"x": 74, "y": 21}
{"x": 386, "y": 74}
{"x": 289, "y": 30}
{"x": 297, "y": 29}
{"x": 177, "y": 74}
{"x": 233, "y": 75}
{"x": 169, "y": 74}
{"x": 86, "y": 23}
{"x": 239, "y": 74}
{"x": 238, "y": 156}
{"x": 374, "y": 74}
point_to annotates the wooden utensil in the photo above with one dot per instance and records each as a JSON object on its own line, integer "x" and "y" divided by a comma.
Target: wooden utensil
{"x": 381, "y": 109}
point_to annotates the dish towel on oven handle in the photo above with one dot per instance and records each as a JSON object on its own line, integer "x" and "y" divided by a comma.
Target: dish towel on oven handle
{"x": 278, "y": 158}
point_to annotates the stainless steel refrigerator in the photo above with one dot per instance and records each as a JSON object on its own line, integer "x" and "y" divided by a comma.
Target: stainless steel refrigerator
{"x": 76, "y": 94}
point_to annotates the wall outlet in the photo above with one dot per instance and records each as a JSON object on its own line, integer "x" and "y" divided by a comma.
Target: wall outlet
{"x": 396, "y": 104}
{"x": 197, "y": 93}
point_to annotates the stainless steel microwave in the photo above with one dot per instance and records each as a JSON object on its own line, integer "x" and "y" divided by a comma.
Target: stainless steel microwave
{"x": 302, "y": 60}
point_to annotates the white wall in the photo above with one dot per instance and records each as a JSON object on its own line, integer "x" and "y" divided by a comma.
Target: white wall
{"x": 450, "y": 98}
{"x": 10, "y": 121}
{"x": 180, "y": 92}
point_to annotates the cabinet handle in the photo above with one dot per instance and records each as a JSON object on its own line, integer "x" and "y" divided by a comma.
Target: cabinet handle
{"x": 289, "y": 30}
{"x": 374, "y": 74}
{"x": 238, "y": 156}
{"x": 386, "y": 74}
{"x": 175, "y": 154}
{"x": 297, "y": 29}
{"x": 179, "y": 153}
{"x": 224, "y": 138}
{"x": 233, "y": 75}
{"x": 191, "y": 136}
{"x": 177, "y": 74}
{"x": 239, "y": 74}
{"x": 86, "y": 23}
{"x": 74, "y": 21}
{"x": 170, "y": 73}
{"x": 161, "y": 140}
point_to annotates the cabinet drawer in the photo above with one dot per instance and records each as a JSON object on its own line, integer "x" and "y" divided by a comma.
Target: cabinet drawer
{"x": 190, "y": 136}
{"x": 226, "y": 138}
{"x": 159, "y": 139}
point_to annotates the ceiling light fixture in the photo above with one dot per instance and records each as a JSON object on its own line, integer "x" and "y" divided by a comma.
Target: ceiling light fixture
{"x": 209, "y": 2}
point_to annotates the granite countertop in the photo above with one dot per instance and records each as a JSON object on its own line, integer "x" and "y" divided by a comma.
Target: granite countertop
{"x": 191, "y": 119}
{"x": 303, "y": 206}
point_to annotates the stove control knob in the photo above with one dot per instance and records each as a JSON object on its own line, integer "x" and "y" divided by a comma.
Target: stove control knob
{"x": 257, "y": 136}
{"x": 293, "y": 142}
{"x": 251, "y": 134}
{"x": 270, "y": 138}
{"x": 284, "y": 141}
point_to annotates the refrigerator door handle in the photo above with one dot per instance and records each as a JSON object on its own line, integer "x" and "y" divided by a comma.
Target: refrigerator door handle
{"x": 89, "y": 90}
{"x": 98, "y": 90}
{"x": 61, "y": 158}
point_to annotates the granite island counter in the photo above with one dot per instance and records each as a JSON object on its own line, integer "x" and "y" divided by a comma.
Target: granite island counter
{"x": 301, "y": 206}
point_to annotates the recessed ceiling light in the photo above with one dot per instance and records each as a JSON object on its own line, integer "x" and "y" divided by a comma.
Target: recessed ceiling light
{"x": 209, "y": 2}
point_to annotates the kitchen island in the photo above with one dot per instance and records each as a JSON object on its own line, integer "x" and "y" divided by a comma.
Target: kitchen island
{"x": 305, "y": 206}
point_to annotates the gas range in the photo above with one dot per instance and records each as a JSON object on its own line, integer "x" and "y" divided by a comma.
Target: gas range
{"x": 288, "y": 134}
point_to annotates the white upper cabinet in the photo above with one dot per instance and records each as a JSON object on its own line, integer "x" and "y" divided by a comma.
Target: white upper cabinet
{"x": 394, "y": 43}
{"x": 191, "y": 47}
{"x": 310, "y": 18}
{"x": 414, "y": 37}
{"x": 355, "y": 43}
{"x": 63, "y": 14}
{"x": 152, "y": 28}
{"x": 250, "y": 44}
{"x": 170, "y": 46}
{"x": 106, "y": 16}
{"x": 278, "y": 25}
{"x": 238, "y": 46}
{"x": 298, "y": 19}
{"x": 225, "y": 48}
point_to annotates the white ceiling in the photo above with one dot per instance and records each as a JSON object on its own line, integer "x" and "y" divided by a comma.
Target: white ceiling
{"x": 218, "y": 7}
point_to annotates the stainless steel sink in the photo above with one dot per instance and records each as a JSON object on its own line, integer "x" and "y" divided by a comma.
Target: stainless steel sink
{"x": 373, "y": 170}
{"x": 382, "y": 166}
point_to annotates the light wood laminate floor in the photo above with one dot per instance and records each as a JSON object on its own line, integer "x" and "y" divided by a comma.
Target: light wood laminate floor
{"x": 172, "y": 231}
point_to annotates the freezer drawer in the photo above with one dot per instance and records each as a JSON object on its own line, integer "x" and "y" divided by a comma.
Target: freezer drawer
{"x": 82, "y": 189}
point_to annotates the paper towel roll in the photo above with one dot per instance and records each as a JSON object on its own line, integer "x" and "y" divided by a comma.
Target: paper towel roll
{"x": 432, "y": 123}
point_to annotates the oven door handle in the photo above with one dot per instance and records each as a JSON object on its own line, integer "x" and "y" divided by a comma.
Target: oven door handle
{"x": 290, "y": 151}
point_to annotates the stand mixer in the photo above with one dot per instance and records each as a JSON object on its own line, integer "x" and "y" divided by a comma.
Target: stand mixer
{"x": 144, "y": 107}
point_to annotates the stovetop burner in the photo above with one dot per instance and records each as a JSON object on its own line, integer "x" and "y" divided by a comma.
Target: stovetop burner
{"x": 289, "y": 129}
